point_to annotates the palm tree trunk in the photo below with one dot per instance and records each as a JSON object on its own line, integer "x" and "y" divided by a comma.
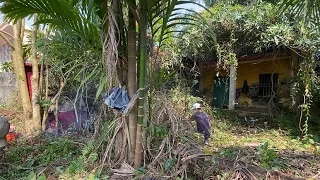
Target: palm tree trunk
{"x": 19, "y": 69}
{"x": 132, "y": 81}
{"x": 45, "y": 112}
{"x": 35, "y": 80}
{"x": 143, "y": 55}
{"x": 119, "y": 136}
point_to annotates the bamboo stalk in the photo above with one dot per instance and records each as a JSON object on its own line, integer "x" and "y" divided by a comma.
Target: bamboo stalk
{"x": 143, "y": 54}
{"x": 45, "y": 112}
{"x": 132, "y": 82}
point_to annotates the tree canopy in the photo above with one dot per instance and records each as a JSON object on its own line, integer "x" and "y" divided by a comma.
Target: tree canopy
{"x": 250, "y": 28}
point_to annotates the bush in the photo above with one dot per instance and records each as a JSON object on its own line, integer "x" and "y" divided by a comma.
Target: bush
{"x": 27, "y": 155}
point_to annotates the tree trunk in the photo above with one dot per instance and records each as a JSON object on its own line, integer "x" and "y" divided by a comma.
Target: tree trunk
{"x": 45, "y": 112}
{"x": 35, "y": 80}
{"x": 19, "y": 70}
{"x": 132, "y": 81}
{"x": 119, "y": 138}
{"x": 143, "y": 55}
{"x": 119, "y": 135}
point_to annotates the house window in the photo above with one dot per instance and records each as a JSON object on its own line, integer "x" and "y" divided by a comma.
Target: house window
{"x": 268, "y": 84}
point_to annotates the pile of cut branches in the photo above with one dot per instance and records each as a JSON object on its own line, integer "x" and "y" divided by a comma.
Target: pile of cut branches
{"x": 171, "y": 148}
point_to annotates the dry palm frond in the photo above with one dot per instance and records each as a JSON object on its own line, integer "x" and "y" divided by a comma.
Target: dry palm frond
{"x": 126, "y": 171}
{"x": 110, "y": 47}
{"x": 179, "y": 144}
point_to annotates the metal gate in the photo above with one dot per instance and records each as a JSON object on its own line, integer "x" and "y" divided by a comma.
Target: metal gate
{"x": 221, "y": 92}
{"x": 268, "y": 84}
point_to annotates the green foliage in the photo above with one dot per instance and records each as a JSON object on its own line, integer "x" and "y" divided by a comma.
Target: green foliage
{"x": 250, "y": 28}
{"x": 158, "y": 131}
{"x": 169, "y": 163}
{"x": 49, "y": 151}
{"x": 305, "y": 10}
{"x": 266, "y": 155}
{"x": 33, "y": 176}
{"x": 161, "y": 77}
{"x": 56, "y": 149}
{"x": 7, "y": 66}
{"x": 27, "y": 155}
{"x": 73, "y": 46}
{"x": 76, "y": 166}
{"x": 140, "y": 171}
{"x": 230, "y": 153}
{"x": 226, "y": 55}
{"x": 45, "y": 104}
{"x": 59, "y": 13}
{"x": 88, "y": 158}
{"x": 239, "y": 26}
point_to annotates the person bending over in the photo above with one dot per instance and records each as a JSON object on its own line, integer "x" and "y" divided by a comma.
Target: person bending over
{"x": 202, "y": 119}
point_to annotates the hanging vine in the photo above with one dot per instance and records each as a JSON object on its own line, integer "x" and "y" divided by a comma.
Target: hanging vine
{"x": 226, "y": 55}
{"x": 307, "y": 76}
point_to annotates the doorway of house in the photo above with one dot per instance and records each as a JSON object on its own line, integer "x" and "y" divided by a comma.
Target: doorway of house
{"x": 221, "y": 92}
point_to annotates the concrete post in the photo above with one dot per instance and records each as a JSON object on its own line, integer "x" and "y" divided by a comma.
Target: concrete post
{"x": 232, "y": 87}
{"x": 293, "y": 67}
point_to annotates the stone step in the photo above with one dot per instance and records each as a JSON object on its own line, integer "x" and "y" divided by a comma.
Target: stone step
{"x": 250, "y": 113}
{"x": 255, "y": 107}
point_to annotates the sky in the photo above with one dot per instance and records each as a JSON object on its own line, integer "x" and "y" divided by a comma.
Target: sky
{"x": 192, "y": 6}
{"x": 186, "y": 6}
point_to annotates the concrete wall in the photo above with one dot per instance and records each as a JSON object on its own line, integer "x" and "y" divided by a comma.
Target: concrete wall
{"x": 249, "y": 71}
{"x": 5, "y": 53}
{"x": 8, "y": 85}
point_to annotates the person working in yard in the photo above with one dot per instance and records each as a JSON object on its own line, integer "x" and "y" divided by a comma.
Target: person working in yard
{"x": 202, "y": 119}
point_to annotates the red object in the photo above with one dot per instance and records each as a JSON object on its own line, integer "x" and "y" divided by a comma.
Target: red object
{"x": 11, "y": 136}
{"x": 28, "y": 69}
{"x": 66, "y": 119}
{"x": 29, "y": 75}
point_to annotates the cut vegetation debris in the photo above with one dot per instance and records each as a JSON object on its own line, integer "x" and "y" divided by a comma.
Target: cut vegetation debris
{"x": 237, "y": 151}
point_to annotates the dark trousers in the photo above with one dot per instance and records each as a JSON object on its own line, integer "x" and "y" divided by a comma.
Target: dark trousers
{"x": 205, "y": 132}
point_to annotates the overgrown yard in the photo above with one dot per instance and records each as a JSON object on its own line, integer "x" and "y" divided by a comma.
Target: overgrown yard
{"x": 113, "y": 82}
{"x": 262, "y": 152}
{"x": 237, "y": 151}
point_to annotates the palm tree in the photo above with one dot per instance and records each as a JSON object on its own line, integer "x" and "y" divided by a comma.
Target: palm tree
{"x": 18, "y": 64}
{"x": 305, "y": 10}
{"x": 68, "y": 18}
{"x": 36, "y": 118}
{"x": 132, "y": 78}
{"x": 77, "y": 19}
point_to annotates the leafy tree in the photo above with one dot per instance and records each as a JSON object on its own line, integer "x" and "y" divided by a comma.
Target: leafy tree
{"x": 254, "y": 28}
{"x": 91, "y": 28}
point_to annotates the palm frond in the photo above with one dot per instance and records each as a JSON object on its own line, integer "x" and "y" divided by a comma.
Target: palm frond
{"x": 306, "y": 10}
{"x": 166, "y": 16}
{"x": 59, "y": 13}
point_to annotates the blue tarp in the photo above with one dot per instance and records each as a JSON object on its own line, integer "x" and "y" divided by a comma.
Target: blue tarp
{"x": 117, "y": 98}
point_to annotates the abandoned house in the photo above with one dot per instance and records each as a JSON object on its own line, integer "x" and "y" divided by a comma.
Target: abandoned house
{"x": 255, "y": 80}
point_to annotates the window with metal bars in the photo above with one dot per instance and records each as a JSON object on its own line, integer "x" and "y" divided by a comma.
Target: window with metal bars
{"x": 268, "y": 84}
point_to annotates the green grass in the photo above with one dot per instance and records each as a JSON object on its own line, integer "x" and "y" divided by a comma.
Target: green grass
{"x": 228, "y": 133}
{"x": 26, "y": 156}
{"x": 232, "y": 139}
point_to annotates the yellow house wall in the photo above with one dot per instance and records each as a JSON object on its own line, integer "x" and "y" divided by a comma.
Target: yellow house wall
{"x": 250, "y": 72}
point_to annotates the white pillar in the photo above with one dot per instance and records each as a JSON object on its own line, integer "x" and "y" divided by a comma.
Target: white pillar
{"x": 232, "y": 87}
{"x": 293, "y": 66}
